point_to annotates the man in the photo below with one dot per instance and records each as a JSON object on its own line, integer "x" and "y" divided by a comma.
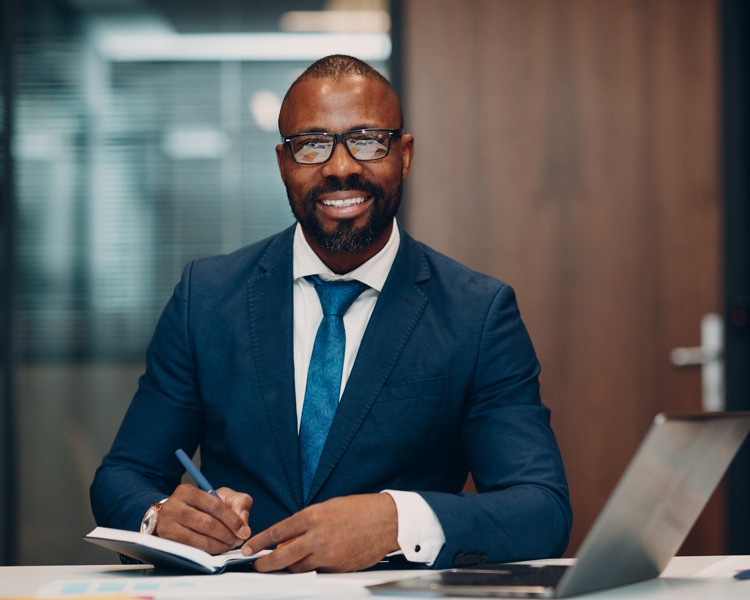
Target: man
{"x": 438, "y": 376}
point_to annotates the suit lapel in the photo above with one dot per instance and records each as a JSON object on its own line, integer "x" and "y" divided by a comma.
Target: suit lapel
{"x": 396, "y": 313}
{"x": 271, "y": 325}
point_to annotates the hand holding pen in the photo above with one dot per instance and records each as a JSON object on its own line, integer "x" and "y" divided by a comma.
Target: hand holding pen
{"x": 195, "y": 472}
{"x": 212, "y": 520}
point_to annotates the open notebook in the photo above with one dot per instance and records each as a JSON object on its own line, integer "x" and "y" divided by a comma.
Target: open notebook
{"x": 166, "y": 553}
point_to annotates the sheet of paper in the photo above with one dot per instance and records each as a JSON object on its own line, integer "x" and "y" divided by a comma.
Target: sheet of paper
{"x": 107, "y": 597}
{"x": 281, "y": 586}
{"x": 352, "y": 586}
{"x": 345, "y": 589}
{"x": 725, "y": 568}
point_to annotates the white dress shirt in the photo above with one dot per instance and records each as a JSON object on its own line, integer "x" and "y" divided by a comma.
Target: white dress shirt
{"x": 420, "y": 535}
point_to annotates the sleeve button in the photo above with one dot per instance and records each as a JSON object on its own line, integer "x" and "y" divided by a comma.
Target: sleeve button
{"x": 417, "y": 548}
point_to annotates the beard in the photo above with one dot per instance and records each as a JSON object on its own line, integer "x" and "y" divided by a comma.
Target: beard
{"x": 346, "y": 237}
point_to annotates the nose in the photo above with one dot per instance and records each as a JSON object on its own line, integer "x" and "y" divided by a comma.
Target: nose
{"x": 341, "y": 164}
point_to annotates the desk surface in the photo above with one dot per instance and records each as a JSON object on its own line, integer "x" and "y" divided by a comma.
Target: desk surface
{"x": 686, "y": 578}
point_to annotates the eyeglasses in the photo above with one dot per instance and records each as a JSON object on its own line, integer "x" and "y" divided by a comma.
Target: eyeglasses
{"x": 362, "y": 144}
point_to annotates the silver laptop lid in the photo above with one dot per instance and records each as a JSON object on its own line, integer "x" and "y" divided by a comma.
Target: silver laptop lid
{"x": 657, "y": 500}
{"x": 643, "y": 524}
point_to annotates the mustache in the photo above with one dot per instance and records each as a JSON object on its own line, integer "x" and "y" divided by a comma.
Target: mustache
{"x": 353, "y": 183}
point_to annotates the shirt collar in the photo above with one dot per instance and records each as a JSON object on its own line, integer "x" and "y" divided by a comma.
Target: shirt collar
{"x": 374, "y": 272}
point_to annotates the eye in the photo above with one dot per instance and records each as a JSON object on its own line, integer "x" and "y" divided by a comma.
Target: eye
{"x": 312, "y": 149}
{"x": 310, "y": 143}
{"x": 316, "y": 140}
{"x": 361, "y": 139}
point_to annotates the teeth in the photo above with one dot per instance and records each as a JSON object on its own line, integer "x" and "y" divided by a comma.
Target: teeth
{"x": 343, "y": 203}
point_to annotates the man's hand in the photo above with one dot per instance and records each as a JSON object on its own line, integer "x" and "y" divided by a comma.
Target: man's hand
{"x": 193, "y": 517}
{"x": 343, "y": 534}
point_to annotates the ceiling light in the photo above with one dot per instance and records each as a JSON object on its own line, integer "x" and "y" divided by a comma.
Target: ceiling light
{"x": 336, "y": 21}
{"x": 135, "y": 46}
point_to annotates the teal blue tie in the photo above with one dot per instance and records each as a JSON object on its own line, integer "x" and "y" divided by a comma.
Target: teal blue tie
{"x": 324, "y": 375}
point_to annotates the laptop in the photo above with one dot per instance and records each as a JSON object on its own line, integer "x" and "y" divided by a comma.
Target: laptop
{"x": 643, "y": 524}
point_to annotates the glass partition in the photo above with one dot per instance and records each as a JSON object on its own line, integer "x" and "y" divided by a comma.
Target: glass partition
{"x": 130, "y": 161}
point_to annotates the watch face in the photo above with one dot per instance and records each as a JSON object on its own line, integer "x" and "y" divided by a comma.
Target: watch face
{"x": 149, "y": 521}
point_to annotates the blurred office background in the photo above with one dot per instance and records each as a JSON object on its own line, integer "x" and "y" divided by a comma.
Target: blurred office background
{"x": 592, "y": 154}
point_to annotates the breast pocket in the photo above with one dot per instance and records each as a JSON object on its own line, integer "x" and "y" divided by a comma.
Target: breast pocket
{"x": 408, "y": 390}
{"x": 408, "y": 425}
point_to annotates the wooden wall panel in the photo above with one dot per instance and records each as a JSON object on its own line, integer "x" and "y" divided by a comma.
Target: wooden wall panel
{"x": 569, "y": 147}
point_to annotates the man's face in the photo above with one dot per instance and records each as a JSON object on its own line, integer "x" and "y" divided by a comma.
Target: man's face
{"x": 344, "y": 205}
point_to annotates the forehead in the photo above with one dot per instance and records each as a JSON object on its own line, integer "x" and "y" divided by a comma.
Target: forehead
{"x": 338, "y": 106}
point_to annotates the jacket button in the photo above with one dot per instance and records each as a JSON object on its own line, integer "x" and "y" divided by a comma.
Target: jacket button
{"x": 469, "y": 558}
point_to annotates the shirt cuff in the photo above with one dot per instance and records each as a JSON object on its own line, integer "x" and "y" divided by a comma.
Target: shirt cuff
{"x": 420, "y": 535}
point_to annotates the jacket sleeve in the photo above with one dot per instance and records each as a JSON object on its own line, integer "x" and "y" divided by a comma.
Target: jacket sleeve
{"x": 522, "y": 510}
{"x": 141, "y": 467}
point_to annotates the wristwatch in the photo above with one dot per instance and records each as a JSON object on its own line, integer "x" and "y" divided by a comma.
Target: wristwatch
{"x": 148, "y": 525}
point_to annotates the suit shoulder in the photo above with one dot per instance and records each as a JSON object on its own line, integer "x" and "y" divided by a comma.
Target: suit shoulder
{"x": 448, "y": 272}
{"x": 242, "y": 262}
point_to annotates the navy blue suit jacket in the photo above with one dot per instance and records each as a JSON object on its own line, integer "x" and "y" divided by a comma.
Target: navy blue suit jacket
{"x": 446, "y": 380}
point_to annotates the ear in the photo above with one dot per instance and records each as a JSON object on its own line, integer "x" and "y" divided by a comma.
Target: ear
{"x": 407, "y": 153}
{"x": 280, "y": 160}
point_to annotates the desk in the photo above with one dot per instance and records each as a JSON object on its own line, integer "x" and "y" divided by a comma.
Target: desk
{"x": 682, "y": 580}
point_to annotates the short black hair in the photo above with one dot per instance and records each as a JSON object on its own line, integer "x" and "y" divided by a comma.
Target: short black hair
{"x": 338, "y": 67}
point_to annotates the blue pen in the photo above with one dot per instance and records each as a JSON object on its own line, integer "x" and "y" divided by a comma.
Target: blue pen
{"x": 743, "y": 575}
{"x": 195, "y": 473}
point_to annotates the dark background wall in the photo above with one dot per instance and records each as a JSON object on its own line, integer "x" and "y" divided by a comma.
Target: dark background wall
{"x": 736, "y": 161}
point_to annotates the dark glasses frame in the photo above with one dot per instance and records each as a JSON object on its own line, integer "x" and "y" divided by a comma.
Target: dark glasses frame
{"x": 340, "y": 137}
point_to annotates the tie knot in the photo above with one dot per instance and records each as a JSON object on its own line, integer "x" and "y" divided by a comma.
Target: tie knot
{"x": 336, "y": 296}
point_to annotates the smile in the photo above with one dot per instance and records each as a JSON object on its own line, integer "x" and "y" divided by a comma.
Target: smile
{"x": 343, "y": 203}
